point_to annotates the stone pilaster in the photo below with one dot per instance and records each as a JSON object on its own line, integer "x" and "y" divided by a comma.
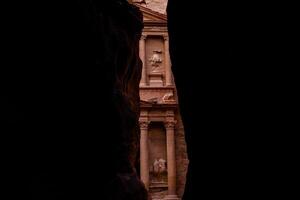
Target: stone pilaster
{"x": 171, "y": 160}
{"x": 144, "y": 153}
{"x": 167, "y": 62}
{"x": 142, "y": 52}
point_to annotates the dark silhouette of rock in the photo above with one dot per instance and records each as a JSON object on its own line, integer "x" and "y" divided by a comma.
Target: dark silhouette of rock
{"x": 200, "y": 57}
{"x": 227, "y": 61}
{"x": 70, "y": 101}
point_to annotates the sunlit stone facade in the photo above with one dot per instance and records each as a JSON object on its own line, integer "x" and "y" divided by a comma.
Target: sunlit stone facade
{"x": 163, "y": 158}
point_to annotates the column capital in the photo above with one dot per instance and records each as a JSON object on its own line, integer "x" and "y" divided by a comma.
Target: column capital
{"x": 166, "y": 37}
{"x": 170, "y": 124}
{"x": 144, "y": 124}
{"x": 143, "y": 37}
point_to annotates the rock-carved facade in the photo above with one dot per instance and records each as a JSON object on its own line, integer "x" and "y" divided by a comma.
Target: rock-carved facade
{"x": 163, "y": 159}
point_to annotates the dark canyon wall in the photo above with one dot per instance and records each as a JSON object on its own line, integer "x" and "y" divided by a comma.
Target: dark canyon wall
{"x": 70, "y": 101}
{"x": 228, "y": 63}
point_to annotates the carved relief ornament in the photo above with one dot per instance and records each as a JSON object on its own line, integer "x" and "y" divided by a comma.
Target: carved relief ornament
{"x": 168, "y": 97}
{"x": 166, "y": 37}
{"x": 143, "y": 37}
{"x": 170, "y": 124}
{"x": 144, "y": 124}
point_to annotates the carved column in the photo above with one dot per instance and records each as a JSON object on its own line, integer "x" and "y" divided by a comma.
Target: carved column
{"x": 143, "y": 58}
{"x": 171, "y": 163}
{"x": 144, "y": 154}
{"x": 167, "y": 62}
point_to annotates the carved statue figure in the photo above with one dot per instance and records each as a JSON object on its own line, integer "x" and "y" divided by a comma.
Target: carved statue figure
{"x": 162, "y": 165}
{"x": 156, "y": 166}
{"x": 159, "y": 167}
{"x": 155, "y": 59}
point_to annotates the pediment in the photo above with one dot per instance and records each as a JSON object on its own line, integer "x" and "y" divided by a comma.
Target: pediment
{"x": 152, "y": 16}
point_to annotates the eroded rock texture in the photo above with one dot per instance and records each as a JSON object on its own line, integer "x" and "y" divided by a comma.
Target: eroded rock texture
{"x": 71, "y": 101}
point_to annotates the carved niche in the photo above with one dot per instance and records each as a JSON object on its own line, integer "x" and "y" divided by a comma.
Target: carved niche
{"x": 155, "y": 60}
{"x": 157, "y": 155}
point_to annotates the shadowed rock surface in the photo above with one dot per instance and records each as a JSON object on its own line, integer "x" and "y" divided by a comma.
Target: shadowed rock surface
{"x": 228, "y": 62}
{"x": 70, "y": 101}
{"x": 200, "y": 50}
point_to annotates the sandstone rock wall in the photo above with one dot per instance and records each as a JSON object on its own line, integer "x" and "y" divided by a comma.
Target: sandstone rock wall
{"x": 181, "y": 156}
{"x": 70, "y": 101}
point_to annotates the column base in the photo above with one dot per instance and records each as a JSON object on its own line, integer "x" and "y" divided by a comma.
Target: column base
{"x": 171, "y": 197}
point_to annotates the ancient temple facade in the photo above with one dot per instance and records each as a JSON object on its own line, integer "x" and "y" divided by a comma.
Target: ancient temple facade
{"x": 163, "y": 158}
